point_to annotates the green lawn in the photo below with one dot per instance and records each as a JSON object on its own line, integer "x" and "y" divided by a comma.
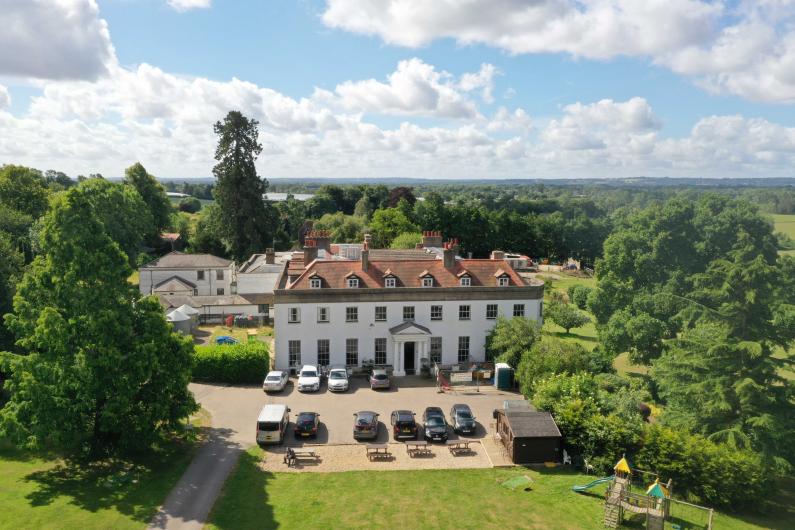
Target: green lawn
{"x": 37, "y": 492}
{"x": 784, "y": 223}
{"x": 585, "y": 336}
{"x": 561, "y": 281}
{"x": 241, "y": 334}
{"x": 471, "y": 498}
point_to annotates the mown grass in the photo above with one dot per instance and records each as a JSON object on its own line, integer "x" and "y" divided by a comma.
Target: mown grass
{"x": 784, "y": 223}
{"x": 41, "y": 491}
{"x": 464, "y": 498}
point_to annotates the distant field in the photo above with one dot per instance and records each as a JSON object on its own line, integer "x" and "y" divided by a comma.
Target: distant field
{"x": 784, "y": 223}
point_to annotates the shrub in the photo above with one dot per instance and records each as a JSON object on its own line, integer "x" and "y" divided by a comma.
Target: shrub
{"x": 550, "y": 356}
{"x": 234, "y": 363}
{"x": 190, "y": 205}
{"x": 578, "y": 295}
{"x": 707, "y": 472}
{"x": 510, "y": 338}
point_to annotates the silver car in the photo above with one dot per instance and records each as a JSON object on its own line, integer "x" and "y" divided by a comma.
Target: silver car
{"x": 275, "y": 381}
{"x": 379, "y": 379}
{"x": 338, "y": 380}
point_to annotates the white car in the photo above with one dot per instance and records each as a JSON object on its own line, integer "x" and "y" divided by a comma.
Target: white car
{"x": 308, "y": 379}
{"x": 275, "y": 381}
{"x": 338, "y": 380}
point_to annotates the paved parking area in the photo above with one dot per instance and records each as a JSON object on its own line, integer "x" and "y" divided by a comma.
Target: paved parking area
{"x": 413, "y": 393}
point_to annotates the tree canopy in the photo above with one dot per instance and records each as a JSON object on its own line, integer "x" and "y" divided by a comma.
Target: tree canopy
{"x": 153, "y": 195}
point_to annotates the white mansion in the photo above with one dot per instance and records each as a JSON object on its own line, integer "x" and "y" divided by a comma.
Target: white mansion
{"x": 398, "y": 308}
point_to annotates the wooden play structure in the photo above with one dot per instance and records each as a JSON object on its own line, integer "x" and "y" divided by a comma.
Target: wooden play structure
{"x": 654, "y": 501}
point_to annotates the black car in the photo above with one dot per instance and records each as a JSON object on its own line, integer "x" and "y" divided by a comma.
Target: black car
{"x": 463, "y": 422}
{"x": 365, "y": 425}
{"x": 434, "y": 425}
{"x": 403, "y": 424}
{"x": 306, "y": 424}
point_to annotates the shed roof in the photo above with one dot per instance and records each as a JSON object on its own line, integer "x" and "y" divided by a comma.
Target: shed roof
{"x": 529, "y": 424}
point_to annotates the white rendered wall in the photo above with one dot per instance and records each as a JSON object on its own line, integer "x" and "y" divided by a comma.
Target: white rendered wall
{"x": 309, "y": 330}
{"x": 148, "y": 278}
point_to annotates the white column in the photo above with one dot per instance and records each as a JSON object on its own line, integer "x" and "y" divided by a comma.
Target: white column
{"x": 398, "y": 361}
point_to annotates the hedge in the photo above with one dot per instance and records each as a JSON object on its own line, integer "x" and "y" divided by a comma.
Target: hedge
{"x": 231, "y": 363}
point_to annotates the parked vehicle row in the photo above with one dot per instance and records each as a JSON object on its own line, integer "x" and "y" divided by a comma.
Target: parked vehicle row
{"x": 274, "y": 419}
{"x": 310, "y": 376}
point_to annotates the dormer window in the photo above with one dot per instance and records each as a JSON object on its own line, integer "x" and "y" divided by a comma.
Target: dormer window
{"x": 427, "y": 281}
{"x": 391, "y": 281}
{"x": 503, "y": 281}
{"x": 315, "y": 283}
{"x": 353, "y": 283}
{"x": 465, "y": 281}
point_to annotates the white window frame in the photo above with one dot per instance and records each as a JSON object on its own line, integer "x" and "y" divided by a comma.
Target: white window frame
{"x": 492, "y": 311}
{"x": 219, "y": 274}
{"x": 412, "y": 310}
{"x": 503, "y": 281}
{"x": 377, "y": 317}
{"x": 519, "y": 310}
{"x": 315, "y": 283}
{"x": 390, "y": 281}
{"x": 294, "y": 352}
{"x": 463, "y": 347}
{"x": 323, "y": 348}
{"x": 352, "y": 313}
{"x": 427, "y": 281}
{"x": 351, "y": 348}
{"x": 435, "y": 350}
{"x": 323, "y": 313}
{"x": 219, "y": 291}
{"x": 200, "y": 276}
{"x": 379, "y": 350}
{"x": 465, "y": 281}
{"x": 352, "y": 283}
{"x": 465, "y": 312}
{"x": 437, "y": 312}
{"x": 293, "y": 315}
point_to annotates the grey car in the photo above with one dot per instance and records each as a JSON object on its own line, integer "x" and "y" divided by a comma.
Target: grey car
{"x": 463, "y": 422}
{"x": 365, "y": 425}
{"x": 379, "y": 379}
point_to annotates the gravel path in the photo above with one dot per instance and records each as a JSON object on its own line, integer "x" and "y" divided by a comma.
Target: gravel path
{"x": 352, "y": 457}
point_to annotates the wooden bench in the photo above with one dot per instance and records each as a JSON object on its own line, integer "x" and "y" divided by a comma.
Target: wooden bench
{"x": 458, "y": 447}
{"x": 291, "y": 456}
{"x": 418, "y": 448}
{"x": 378, "y": 451}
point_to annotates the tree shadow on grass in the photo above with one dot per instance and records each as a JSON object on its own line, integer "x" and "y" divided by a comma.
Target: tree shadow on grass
{"x": 134, "y": 487}
{"x": 244, "y": 501}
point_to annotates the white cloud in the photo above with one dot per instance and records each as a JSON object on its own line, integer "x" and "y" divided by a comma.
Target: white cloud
{"x": 186, "y": 5}
{"x": 415, "y": 88}
{"x": 165, "y": 121}
{"x": 54, "y": 39}
{"x": 5, "y": 98}
{"x": 746, "y": 48}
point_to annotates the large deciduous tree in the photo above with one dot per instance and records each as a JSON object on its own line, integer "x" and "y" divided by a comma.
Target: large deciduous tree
{"x": 24, "y": 190}
{"x": 246, "y": 220}
{"x": 102, "y": 369}
{"x": 154, "y": 195}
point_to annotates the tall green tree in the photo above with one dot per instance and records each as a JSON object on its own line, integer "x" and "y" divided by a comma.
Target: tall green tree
{"x": 247, "y": 222}
{"x": 510, "y": 339}
{"x": 387, "y": 224}
{"x": 154, "y": 195}
{"x": 24, "y": 189}
{"x": 10, "y": 270}
{"x": 102, "y": 369}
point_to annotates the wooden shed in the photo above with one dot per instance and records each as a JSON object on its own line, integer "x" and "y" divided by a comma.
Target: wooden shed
{"x": 530, "y": 437}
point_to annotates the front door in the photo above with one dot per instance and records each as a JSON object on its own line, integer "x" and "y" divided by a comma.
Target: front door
{"x": 408, "y": 358}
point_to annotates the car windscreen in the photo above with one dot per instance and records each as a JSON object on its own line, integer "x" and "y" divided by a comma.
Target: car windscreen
{"x": 273, "y": 378}
{"x": 336, "y": 375}
{"x": 308, "y": 373}
{"x": 434, "y": 421}
{"x": 364, "y": 420}
{"x": 380, "y": 377}
{"x": 305, "y": 420}
{"x": 464, "y": 415}
{"x": 268, "y": 426}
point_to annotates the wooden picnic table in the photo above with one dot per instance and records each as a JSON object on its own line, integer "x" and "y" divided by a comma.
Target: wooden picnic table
{"x": 377, "y": 451}
{"x": 291, "y": 456}
{"x": 414, "y": 448}
{"x": 457, "y": 447}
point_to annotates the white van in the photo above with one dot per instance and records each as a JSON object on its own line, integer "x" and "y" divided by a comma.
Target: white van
{"x": 272, "y": 424}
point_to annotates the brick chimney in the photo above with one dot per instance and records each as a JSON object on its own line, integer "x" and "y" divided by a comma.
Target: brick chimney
{"x": 321, "y": 238}
{"x": 365, "y": 255}
{"x": 310, "y": 251}
{"x": 431, "y": 238}
{"x": 497, "y": 255}
{"x": 449, "y": 253}
{"x": 270, "y": 256}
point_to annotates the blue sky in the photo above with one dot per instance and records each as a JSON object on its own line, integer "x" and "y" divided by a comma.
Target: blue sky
{"x": 679, "y": 88}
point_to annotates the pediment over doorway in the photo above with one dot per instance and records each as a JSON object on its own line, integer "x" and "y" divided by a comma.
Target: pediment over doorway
{"x": 409, "y": 328}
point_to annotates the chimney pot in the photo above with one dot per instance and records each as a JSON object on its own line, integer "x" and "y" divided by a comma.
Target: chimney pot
{"x": 270, "y": 256}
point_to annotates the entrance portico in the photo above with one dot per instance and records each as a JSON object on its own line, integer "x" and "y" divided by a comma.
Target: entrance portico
{"x": 411, "y": 342}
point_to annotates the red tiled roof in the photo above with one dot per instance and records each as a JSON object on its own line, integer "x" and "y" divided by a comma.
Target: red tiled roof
{"x": 484, "y": 272}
